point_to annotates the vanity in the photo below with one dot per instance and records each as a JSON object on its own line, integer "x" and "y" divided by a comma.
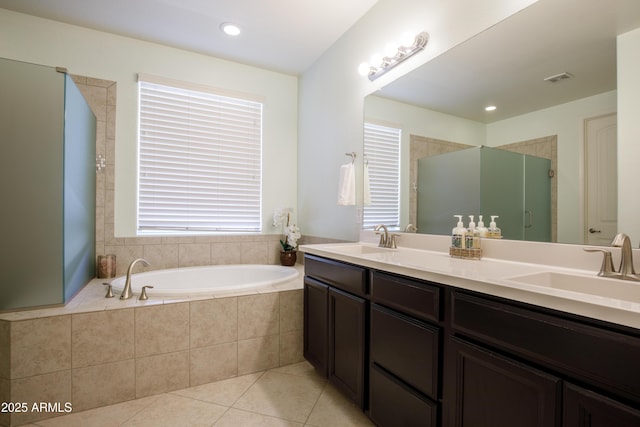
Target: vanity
{"x": 417, "y": 338}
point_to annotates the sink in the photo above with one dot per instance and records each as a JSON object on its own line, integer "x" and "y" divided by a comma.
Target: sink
{"x": 357, "y": 249}
{"x": 592, "y": 285}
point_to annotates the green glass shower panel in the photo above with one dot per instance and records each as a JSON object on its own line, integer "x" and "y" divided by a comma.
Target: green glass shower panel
{"x": 485, "y": 181}
{"x": 537, "y": 204}
{"x": 79, "y": 191}
{"x": 502, "y": 177}
{"x": 456, "y": 193}
{"x": 31, "y": 129}
{"x": 47, "y": 179}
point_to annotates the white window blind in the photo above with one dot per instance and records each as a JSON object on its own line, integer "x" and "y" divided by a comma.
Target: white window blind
{"x": 200, "y": 157}
{"x": 382, "y": 150}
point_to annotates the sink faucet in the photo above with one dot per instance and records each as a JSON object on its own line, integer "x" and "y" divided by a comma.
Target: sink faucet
{"x": 626, "y": 269}
{"x": 126, "y": 292}
{"x": 386, "y": 240}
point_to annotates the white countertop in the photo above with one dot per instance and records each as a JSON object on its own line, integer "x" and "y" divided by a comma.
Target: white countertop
{"x": 494, "y": 277}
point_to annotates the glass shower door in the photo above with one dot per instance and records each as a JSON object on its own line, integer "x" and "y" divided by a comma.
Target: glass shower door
{"x": 537, "y": 203}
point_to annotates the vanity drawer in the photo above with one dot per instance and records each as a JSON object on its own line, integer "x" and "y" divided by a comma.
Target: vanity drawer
{"x": 343, "y": 276}
{"x": 392, "y": 404}
{"x": 602, "y": 357}
{"x": 407, "y": 348}
{"x": 416, "y": 298}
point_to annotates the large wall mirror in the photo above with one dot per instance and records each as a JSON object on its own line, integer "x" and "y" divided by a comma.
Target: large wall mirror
{"x": 550, "y": 71}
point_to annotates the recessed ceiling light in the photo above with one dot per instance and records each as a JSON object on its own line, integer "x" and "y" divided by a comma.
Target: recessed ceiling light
{"x": 490, "y": 108}
{"x": 230, "y": 29}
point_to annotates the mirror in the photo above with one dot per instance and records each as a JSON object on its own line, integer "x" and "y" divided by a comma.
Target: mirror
{"x": 549, "y": 70}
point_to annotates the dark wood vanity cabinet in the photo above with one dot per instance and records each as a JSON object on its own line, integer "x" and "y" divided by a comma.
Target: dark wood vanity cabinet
{"x": 404, "y": 381}
{"x": 518, "y": 363}
{"x": 336, "y": 324}
{"x": 416, "y": 353}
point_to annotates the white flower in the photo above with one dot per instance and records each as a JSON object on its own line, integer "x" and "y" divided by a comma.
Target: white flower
{"x": 292, "y": 234}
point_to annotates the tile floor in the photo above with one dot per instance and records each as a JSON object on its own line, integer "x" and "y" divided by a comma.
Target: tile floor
{"x": 293, "y": 395}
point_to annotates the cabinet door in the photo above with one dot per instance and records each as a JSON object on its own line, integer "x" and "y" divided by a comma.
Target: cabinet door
{"x": 316, "y": 298}
{"x": 493, "y": 391}
{"x": 347, "y": 332}
{"x": 584, "y": 408}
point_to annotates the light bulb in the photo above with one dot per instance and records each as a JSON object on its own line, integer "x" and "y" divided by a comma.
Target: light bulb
{"x": 407, "y": 40}
{"x": 390, "y": 50}
{"x": 376, "y": 60}
{"x": 490, "y": 108}
{"x": 364, "y": 68}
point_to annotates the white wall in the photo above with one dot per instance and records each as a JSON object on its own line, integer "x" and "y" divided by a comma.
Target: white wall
{"x": 331, "y": 95}
{"x": 566, "y": 121}
{"x": 629, "y": 134}
{"x": 105, "y": 56}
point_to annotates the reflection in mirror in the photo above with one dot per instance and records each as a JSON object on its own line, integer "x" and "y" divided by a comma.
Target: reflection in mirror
{"x": 485, "y": 181}
{"x": 506, "y": 66}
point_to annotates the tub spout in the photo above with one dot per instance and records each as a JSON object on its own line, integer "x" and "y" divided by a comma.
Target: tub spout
{"x": 126, "y": 292}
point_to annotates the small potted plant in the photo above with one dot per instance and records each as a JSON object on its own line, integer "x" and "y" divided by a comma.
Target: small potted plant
{"x": 288, "y": 254}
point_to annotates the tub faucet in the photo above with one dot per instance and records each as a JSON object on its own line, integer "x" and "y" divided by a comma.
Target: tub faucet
{"x": 126, "y": 292}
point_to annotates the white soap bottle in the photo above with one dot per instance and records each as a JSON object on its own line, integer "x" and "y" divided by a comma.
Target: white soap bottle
{"x": 458, "y": 234}
{"x": 482, "y": 230}
{"x": 473, "y": 236}
{"x": 494, "y": 231}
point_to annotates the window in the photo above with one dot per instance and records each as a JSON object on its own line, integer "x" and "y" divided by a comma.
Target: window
{"x": 200, "y": 160}
{"x": 382, "y": 151}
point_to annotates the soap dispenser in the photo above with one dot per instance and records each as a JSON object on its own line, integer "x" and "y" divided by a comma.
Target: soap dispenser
{"x": 494, "y": 231}
{"x": 482, "y": 230}
{"x": 458, "y": 234}
{"x": 473, "y": 235}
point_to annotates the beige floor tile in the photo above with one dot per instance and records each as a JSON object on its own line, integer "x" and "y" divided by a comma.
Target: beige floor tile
{"x": 302, "y": 368}
{"x": 237, "y": 418}
{"x": 107, "y": 416}
{"x": 333, "y": 409}
{"x": 224, "y": 392}
{"x": 175, "y": 411}
{"x": 291, "y": 397}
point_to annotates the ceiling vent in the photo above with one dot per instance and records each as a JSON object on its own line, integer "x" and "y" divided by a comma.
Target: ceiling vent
{"x": 558, "y": 77}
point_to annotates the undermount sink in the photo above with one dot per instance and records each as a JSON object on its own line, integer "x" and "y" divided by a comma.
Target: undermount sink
{"x": 603, "y": 287}
{"x": 357, "y": 249}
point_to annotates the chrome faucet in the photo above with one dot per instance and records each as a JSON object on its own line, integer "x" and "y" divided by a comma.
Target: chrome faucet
{"x": 126, "y": 292}
{"x": 386, "y": 240}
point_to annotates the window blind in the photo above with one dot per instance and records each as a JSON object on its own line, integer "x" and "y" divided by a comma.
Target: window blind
{"x": 382, "y": 150}
{"x": 200, "y": 160}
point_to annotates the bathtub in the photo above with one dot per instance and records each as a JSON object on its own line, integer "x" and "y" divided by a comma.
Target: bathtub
{"x": 209, "y": 280}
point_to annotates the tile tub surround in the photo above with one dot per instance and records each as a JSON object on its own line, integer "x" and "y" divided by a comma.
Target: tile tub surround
{"x": 96, "y": 351}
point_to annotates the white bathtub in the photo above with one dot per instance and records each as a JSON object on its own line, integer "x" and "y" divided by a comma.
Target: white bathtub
{"x": 207, "y": 280}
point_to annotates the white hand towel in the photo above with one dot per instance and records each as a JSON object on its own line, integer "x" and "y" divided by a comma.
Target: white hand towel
{"x": 367, "y": 186}
{"x": 347, "y": 185}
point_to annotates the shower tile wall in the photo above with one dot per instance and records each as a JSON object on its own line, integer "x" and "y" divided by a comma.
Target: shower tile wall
{"x": 145, "y": 350}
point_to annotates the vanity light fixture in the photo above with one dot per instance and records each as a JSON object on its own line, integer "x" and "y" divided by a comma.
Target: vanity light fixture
{"x": 230, "y": 29}
{"x": 490, "y": 108}
{"x": 379, "y": 64}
